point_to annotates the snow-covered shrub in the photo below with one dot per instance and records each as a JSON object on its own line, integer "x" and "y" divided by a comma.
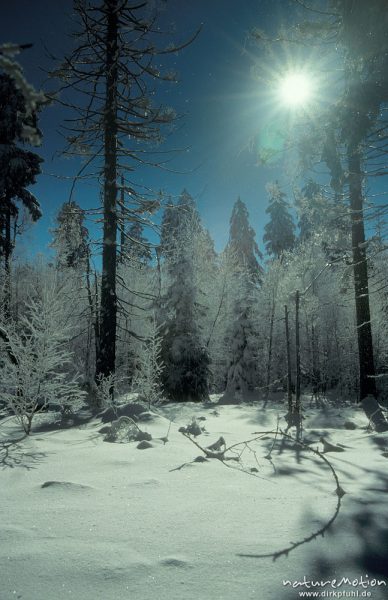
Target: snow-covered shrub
{"x": 147, "y": 379}
{"x": 124, "y": 429}
{"x": 104, "y": 391}
{"x": 192, "y": 428}
{"x": 34, "y": 358}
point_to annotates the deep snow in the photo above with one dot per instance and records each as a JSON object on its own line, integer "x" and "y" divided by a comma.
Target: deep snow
{"x": 86, "y": 519}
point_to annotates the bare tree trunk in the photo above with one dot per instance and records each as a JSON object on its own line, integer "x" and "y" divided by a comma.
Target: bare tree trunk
{"x": 269, "y": 360}
{"x": 297, "y": 352}
{"x": 122, "y": 221}
{"x": 368, "y": 392}
{"x": 289, "y": 376}
{"x": 297, "y": 412}
{"x": 105, "y": 363}
{"x": 7, "y": 261}
{"x": 93, "y": 306}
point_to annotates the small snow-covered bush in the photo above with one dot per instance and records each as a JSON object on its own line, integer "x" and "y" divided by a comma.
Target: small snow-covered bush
{"x": 104, "y": 396}
{"x": 193, "y": 428}
{"x": 35, "y": 359}
{"x": 124, "y": 429}
{"x": 147, "y": 379}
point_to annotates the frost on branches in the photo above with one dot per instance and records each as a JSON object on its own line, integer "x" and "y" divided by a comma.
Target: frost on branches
{"x": 35, "y": 360}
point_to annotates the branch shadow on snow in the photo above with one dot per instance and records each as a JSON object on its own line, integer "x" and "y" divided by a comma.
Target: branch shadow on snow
{"x": 13, "y": 454}
{"x": 368, "y": 522}
{"x": 358, "y": 542}
{"x": 55, "y": 422}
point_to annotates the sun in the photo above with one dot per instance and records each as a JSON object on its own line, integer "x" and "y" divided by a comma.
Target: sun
{"x": 296, "y": 89}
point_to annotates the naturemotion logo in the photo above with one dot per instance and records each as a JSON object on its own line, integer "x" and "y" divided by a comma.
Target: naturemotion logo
{"x": 330, "y": 588}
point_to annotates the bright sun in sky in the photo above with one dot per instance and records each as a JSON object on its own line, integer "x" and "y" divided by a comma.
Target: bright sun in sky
{"x": 295, "y": 89}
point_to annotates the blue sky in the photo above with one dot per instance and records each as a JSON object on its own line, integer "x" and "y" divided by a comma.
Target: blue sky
{"x": 222, "y": 103}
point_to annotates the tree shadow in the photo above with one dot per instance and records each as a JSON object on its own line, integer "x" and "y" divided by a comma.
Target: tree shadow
{"x": 357, "y": 543}
{"x": 13, "y": 454}
{"x": 368, "y": 522}
{"x": 58, "y": 423}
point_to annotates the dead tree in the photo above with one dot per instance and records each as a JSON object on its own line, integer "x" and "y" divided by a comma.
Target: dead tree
{"x": 112, "y": 74}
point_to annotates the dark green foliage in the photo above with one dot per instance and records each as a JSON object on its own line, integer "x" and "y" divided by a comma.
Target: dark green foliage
{"x": 279, "y": 231}
{"x": 18, "y": 167}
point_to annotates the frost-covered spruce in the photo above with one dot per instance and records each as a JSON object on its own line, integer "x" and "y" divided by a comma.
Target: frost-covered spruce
{"x": 279, "y": 231}
{"x": 71, "y": 237}
{"x": 134, "y": 246}
{"x": 186, "y": 360}
{"x": 242, "y": 242}
{"x": 240, "y": 339}
{"x": 242, "y": 369}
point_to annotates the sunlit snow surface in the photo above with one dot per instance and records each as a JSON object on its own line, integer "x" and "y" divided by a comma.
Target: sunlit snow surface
{"x": 85, "y": 519}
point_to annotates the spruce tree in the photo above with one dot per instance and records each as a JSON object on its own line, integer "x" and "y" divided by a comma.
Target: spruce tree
{"x": 184, "y": 355}
{"x": 18, "y": 167}
{"x": 242, "y": 343}
{"x": 279, "y": 231}
{"x": 312, "y": 209}
{"x": 135, "y": 247}
{"x": 242, "y": 242}
{"x": 71, "y": 237}
{"x": 349, "y": 133}
{"x": 112, "y": 73}
{"x": 240, "y": 337}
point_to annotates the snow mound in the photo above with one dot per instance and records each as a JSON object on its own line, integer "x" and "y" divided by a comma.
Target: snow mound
{"x": 174, "y": 562}
{"x": 144, "y": 444}
{"x": 65, "y": 485}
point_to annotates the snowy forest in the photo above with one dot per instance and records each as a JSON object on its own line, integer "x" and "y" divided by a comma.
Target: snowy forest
{"x": 135, "y": 325}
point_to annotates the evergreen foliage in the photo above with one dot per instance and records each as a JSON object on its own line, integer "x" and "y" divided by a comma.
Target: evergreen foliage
{"x": 71, "y": 237}
{"x": 242, "y": 242}
{"x": 187, "y": 362}
{"x": 279, "y": 231}
{"x": 136, "y": 247}
{"x": 18, "y": 167}
{"x": 242, "y": 338}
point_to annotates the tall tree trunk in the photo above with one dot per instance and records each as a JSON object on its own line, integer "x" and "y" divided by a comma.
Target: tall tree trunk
{"x": 269, "y": 360}
{"x": 8, "y": 247}
{"x": 105, "y": 362}
{"x": 93, "y": 305}
{"x": 297, "y": 416}
{"x": 297, "y": 351}
{"x": 368, "y": 392}
{"x": 289, "y": 375}
{"x": 122, "y": 221}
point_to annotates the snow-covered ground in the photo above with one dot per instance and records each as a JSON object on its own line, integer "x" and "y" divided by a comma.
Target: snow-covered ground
{"x": 86, "y": 519}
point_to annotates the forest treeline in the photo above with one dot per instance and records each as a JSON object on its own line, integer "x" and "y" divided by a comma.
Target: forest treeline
{"x": 174, "y": 319}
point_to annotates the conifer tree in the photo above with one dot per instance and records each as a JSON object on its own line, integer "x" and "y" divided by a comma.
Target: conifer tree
{"x": 71, "y": 237}
{"x": 241, "y": 333}
{"x": 113, "y": 71}
{"x": 242, "y": 242}
{"x": 279, "y": 231}
{"x": 18, "y": 166}
{"x": 242, "y": 342}
{"x": 184, "y": 355}
{"x": 348, "y": 132}
{"x": 134, "y": 245}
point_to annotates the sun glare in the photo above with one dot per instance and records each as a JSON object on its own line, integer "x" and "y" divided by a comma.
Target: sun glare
{"x": 296, "y": 89}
